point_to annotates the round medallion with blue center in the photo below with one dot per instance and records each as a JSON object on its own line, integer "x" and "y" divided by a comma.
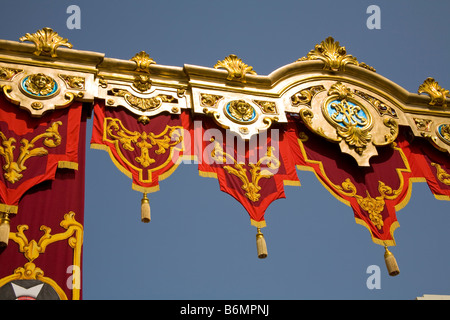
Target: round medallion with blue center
{"x": 39, "y": 85}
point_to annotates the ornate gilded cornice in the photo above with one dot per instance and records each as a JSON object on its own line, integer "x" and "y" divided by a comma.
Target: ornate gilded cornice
{"x": 319, "y": 87}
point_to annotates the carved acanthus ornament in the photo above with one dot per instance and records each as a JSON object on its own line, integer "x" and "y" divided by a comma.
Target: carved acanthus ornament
{"x": 251, "y": 187}
{"x": 8, "y": 73}
{"x": 143, "y": 104}
{"x": 46, "y": 42}
{"x": 143, "y": 61}
{"x": 235, "y": 67}
{"x": 437, "y": 94}
{"x": 333, "y": 55}
{"x": 12, "y": 167}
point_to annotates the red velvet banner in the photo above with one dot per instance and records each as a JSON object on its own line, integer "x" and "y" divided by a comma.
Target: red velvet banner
{"x": 253, "y": 172}
{"x": 32, "y": 149}
{"x": 43, "y": 258}
{"x": 145, "y": 152}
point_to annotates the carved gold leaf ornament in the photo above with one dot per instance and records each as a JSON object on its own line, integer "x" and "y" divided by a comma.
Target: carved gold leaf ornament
{"x": 143, "y": 61}
{"x": 251, "y": 187}
{"x": 13, "y": 168}
{"x": 142, "y": 82}
{"x": 305, "y": 96}
{"x": 46, "y": 42}
{"x": 437, "y": 94}
{"x": 333, "y": 55}
{"x": 237, "y": 69}
{"x": 73, "y": 82}
{"x": 209, "y": 100}
{"x": 143, "y": 104}
{"x": 8, "y": 74}
{"x": 169, "y": 138}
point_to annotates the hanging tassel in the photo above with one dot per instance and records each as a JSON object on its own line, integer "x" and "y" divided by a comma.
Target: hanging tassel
{"x": 261, "y": 246}
{"x": 145, "y": 209}
{"x": 4, "y": 229}
{"x": 391, "y": 263}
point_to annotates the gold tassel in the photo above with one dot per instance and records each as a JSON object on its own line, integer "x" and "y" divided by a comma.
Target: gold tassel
{"x": 4, "y": 229}
{"x": 145, "y": 209}
{"x": 391, "y": 263}
{"x": 261, "y": 246}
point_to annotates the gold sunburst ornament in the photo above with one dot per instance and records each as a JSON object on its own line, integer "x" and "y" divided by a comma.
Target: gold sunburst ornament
{"x": 46, "y": 42}
{"x": 235, "y": 67}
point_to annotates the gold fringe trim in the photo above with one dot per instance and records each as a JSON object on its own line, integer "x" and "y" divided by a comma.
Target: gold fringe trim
{"x": 207, "y": 174}
{"x": 67, "y": 165}
{"x": 6, "y": 208}
{"x": 258, "y": 224}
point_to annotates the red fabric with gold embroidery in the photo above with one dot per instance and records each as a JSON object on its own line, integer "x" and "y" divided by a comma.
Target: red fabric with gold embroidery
{"x": 373, "y": 192}
{"x": 33, "y": 148}
{"x": 47, "y": 248}
{"x": 253, "y": 172}
{"x": 146, "y": 153}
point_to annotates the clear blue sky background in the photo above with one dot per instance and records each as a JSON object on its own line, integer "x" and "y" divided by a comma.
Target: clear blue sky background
{"x": 200, "y": 244}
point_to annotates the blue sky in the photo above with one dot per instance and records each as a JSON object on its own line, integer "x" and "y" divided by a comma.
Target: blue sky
{"x": 200, "y": 244}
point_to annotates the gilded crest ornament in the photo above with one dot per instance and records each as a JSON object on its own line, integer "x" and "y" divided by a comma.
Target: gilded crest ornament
{"x": 437, "y": 94}
{"x": 351, "y": 120}
{"x": 46, "y": 42}
{"x": 39, "y": 85}
{"x": 143, "y": 61}
{"x": 235, "y": 67}
{"x": 332, "y": 54}
{"x": 240, "y": 111}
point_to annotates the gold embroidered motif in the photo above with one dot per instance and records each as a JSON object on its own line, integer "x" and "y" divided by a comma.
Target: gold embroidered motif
{"x": 250, "y": 187}
{"x": 373, "y": 206}
{"x": 442, "y": 175}
{"x": 170, "y": 137}
{"x": 32, "y": 249}
{"x": 13, "y": 168}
